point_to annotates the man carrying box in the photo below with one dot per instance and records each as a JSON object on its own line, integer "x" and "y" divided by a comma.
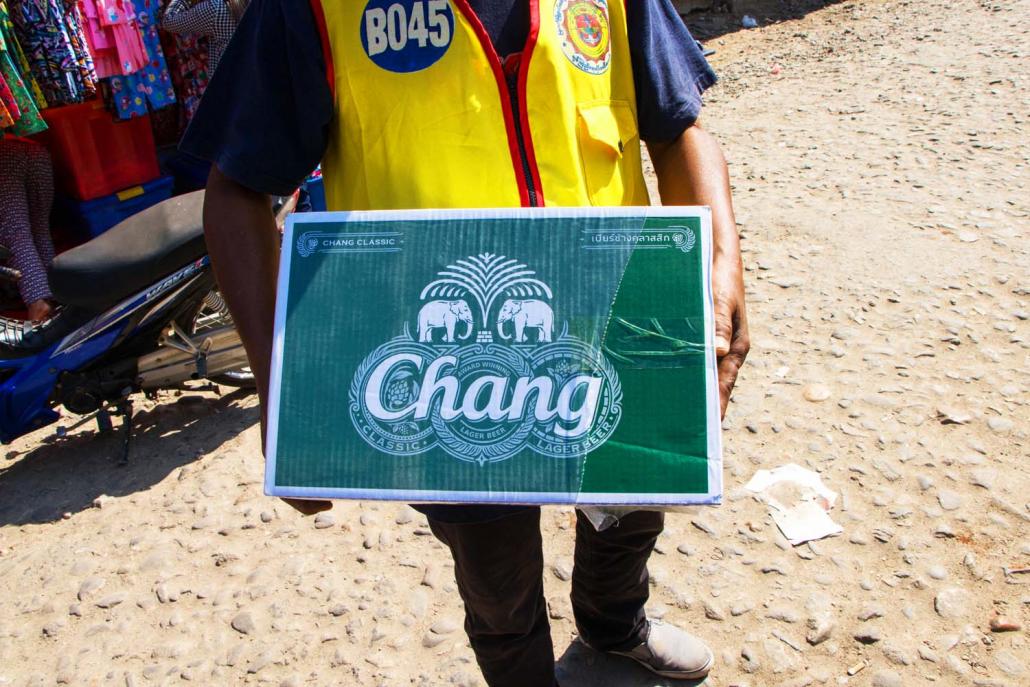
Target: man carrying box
{"x": 476, "y": 104}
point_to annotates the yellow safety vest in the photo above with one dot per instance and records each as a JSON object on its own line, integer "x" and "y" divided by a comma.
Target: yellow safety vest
{"x": 428, "y": 117}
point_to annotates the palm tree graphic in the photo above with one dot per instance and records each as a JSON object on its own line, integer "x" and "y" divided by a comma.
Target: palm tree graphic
{"x": 485, "y": 278}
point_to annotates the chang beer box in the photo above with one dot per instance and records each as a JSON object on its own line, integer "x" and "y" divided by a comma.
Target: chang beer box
{"x": 512, "y": 356}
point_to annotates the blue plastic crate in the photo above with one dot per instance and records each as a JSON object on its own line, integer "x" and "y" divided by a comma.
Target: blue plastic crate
{"x": 94, "y": 217}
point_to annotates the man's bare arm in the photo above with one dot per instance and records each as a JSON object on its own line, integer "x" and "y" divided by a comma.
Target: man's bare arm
{"x": 692, "y": 171}
{"x": 243, "y": 243}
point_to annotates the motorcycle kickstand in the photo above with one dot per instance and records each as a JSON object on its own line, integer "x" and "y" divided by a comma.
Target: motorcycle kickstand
{"x": 104, "y": 421}
{"x": 125, "y": 410}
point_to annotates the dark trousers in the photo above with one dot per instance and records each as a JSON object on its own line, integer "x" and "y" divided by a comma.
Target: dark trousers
{"x": 498, "y": 566}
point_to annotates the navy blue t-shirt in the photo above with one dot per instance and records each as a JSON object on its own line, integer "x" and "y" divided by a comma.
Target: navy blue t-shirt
{"x": 265, "y": 117}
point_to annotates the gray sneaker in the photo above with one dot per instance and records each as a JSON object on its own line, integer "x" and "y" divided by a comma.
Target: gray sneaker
{"x": 670, "y": 652}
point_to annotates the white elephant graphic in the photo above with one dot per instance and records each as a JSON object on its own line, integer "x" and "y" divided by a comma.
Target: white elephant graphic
{"x": 443, "y": 314}
{"x": 527, "y": 313}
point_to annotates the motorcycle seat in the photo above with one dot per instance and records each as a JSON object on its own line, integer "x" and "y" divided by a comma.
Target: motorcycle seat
{"x": 131, "y": 255}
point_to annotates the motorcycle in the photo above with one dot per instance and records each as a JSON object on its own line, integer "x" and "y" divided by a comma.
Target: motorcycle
{"x": 138, "y": 311}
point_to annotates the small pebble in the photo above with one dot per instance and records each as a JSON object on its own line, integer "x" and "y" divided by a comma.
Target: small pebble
{"x": 816, "y": 393}
{"x": 949, "y": 500}
{"x": 1000, "y": 623}
{"x": 951, "y": 603}
{"x": 324, "y": 521}
{"x": 868, "y": 635}
{"x": 244, "y": 623}
{"x": 89, "y": 586}
{"x": 886, "y": 678}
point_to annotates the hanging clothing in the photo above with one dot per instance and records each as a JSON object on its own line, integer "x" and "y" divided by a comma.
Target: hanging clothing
{"x": 9, "y": 110}
{"x": 114, "y": 37}
{"x": 187, "y": 62}
{"x": 119, "y": 17}
{"x": 18, "y": 58}
{"x": 101, "y": 42}
{"x": 41, "y": 30}
{"x": 152, "y": 85}
{"x": 214, "y": 19}
{"x": 23, "y": 112}
{"x": 6, "y": 118}
{"x": 26, "y": 195}
{"x": 80, "y": 49}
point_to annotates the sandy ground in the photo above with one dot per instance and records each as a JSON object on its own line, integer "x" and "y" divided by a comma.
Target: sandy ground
{"x": 881, "y": 181}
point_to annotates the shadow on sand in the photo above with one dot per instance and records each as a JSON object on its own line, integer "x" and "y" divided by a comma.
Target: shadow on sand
{"x": 724, "y": 16}
{"x": 66, "y": 474}
{"x": 581, "y": 666}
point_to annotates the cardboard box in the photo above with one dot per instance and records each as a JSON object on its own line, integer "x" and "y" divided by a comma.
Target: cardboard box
{"x": 506, "y": 356}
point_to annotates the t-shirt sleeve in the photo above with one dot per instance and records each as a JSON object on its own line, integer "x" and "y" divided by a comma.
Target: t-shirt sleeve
{"x": 669, "y": 69}
{"x": 264, "y": 119}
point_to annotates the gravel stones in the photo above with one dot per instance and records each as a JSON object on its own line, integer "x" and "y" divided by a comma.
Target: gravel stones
{"x": 896, "y": 655}
{"x": 949, "y": 500}
{"x": 741, "y": 607}
{"x": 983, "y": 477}
{"x": 784, "y": 614}
{"x": 868, "y": 635}
{"x": 1000, "y": 425}
{"x": 111, "y": 600}
{"x": 324, "y": 521}
{"x": 871, "y": 611}
{"x": 1000, "y": 623}
{"x": 166, "y": 594}
{"x": 952, "y": 603}
{"x": 90, "y": 586}
{"x": 244, "y": 623}
{"x": 886, "y": 678}
{"x": 928, "y": 654}
{"x": 819, "y": 630}
{"x": 444, "y": 626}
{"x": 816, "y": 393}
{"x": 1009, "y": 663}
{"x": 713, "y": 612}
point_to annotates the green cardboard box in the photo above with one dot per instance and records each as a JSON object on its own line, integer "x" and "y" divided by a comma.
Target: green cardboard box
{"x": 496, "y": 356}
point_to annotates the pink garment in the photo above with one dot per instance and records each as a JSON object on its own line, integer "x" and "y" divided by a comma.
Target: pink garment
{"x": 114, "y": 37}
{"x": 101, "y": 45}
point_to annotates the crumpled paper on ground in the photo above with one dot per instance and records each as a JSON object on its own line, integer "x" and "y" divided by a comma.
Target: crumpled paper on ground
{"x": 798, "y": 502}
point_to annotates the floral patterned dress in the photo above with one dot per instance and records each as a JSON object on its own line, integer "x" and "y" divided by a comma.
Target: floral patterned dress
{"x": 151, "y": 85}
{"x": 24, "y": 116}
{"x": 41, "y": 30}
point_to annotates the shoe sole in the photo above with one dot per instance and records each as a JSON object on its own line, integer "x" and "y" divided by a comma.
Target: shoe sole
{"x": 674, "y": 674}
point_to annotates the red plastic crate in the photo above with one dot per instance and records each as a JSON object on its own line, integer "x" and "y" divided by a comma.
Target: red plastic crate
{"x": 94, "y": 154}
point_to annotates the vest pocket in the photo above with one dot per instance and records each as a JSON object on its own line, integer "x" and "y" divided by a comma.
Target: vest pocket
{"x": 606, "y": 130}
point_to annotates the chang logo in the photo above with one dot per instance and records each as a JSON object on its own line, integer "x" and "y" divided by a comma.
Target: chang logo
{"x": 406, "y": 35}
{"x": 480, "y": 400}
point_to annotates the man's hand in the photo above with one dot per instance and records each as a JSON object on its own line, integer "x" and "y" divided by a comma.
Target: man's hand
{"x": 692, "y": 171}
{"x": 732, "y": 340}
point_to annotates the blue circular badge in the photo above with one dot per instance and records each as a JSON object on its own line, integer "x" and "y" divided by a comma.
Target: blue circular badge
{"x": 406, "y": 35}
